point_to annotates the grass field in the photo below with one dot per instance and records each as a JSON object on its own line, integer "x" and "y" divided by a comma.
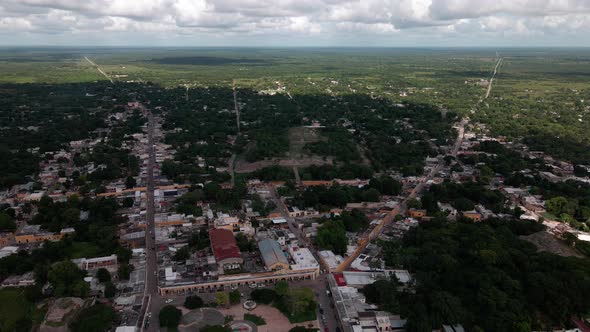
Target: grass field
{"x": 299, "y": 136}
{"x": 13, "y": 308}
{"x": 84, "y": 250}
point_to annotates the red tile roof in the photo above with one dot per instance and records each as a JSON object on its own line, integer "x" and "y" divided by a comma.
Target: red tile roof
{"x": 224, "y": 244}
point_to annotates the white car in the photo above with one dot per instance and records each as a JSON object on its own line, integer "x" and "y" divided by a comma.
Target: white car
{"x": 168, "y": 301}
{"x": 253, "y": 285}
{"x": 234, "y": 287}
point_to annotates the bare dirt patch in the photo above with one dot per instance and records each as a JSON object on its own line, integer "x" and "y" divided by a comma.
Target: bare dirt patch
{"x": 243, "y": 166}
{"x": 547, "y": 242}
{"x": 299, "y": 136}
{"x": 275, "y": 320}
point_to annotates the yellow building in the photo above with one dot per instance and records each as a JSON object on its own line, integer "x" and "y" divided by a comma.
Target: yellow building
{"x": 34, "y": 234}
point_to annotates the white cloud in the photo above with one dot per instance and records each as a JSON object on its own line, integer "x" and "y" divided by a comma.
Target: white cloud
{"x": 301, "y": 18}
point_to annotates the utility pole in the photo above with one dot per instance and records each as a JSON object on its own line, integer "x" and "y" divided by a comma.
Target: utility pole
{"x": 236, "y": 106}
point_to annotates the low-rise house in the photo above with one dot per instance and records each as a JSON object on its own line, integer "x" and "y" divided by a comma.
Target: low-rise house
{"x": 550, "y": 177}
{"x": 330, "y": 260}
{"x": 23, "y": 280}
{"x": 134, "y": 239}
{"x": 533, "y": 204}
{"x": 7, "y": 251}
{"x": 473, "y": 215}
{"x": 6, "y": 239}
{"x": 280, "y": 237}
{"x": 34, "y": 234}
{"x": 417, "y": 213}
{"x": 89, "y": 264}
{"x": 448, "y": 208}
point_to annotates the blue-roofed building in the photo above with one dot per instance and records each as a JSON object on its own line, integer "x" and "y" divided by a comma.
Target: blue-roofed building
{"x": 272, "y": 255}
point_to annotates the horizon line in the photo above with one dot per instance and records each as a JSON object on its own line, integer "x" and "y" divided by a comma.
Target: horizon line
{"x": 295, "y": 47}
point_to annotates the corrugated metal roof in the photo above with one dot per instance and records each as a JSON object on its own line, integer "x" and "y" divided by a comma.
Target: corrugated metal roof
{"x": 271, "y": 252}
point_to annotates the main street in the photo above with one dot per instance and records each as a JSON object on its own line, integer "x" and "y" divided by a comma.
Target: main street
{"x": 152, "y": 300}
{"x": 328, "y": 317}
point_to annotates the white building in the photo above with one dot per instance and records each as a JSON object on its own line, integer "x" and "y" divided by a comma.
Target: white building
{"x": 303, "y": 258}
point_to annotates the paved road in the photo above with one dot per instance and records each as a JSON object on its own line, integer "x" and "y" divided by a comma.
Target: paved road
{"x": 328, "y": 318}
{"x": 152, "y": 301}
{"x": 401, "y": 209}
{"x": 293, "y": 227}
{"x": 99, "y": 70}
{"x": 493, "y": 76}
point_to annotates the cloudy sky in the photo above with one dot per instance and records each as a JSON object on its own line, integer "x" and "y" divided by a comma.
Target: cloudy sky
{"x": 296, "y": 22}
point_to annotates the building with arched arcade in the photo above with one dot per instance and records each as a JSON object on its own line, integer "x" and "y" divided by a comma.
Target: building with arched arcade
{"x": 226, "y": 281}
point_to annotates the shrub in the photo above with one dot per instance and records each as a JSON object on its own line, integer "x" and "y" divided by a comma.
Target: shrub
{"x": 255, "y": 319}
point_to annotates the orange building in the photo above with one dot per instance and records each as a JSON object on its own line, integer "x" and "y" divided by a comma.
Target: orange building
{"x": 416, "y": 213}
{"x": 472, "y": 215}
{"x": 34, "y": 234}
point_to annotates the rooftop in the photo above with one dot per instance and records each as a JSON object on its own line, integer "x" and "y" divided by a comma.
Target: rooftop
{"x": 271, "y": 252}
{"x": 223, "y": 244}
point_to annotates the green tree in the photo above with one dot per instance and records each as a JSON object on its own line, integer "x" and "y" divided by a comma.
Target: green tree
{"x": 124, "y": 271}
{"x": 67, "y": 279}
{"x": 110, "y": 290}
{"x": 123, "y": 254}
{"x": 371, "y": 195}
{"x": 264, "y": 295}
{"x": 7, "y": 224}
{"x": 463, "y": 204}
{"x": 182, "y": 254}
{"x": 281, "y": 288}
{"x": 169, "y": 316}
{"x": 103, "y": 275}
{"x": 557, "y": 205}
{"x": 71, "y": 216}
{"x": 193, "y": 302}
{"x": 234, "y": 297}
{"x": 302, "y": 329}
{"x": 332, "y": 236}
{"x": 98, "y": 318}
{"x": 414, "y": 204}
{"x": 130, "y": 182}
{"x": 386, "y": 185}
{"x": 301, "y": 299}
{"x": 128, "y": 202}
{"x": 222, "y": 299}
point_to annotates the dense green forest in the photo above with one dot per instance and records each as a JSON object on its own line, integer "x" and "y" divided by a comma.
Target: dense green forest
{"x": 483, "y": 277}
